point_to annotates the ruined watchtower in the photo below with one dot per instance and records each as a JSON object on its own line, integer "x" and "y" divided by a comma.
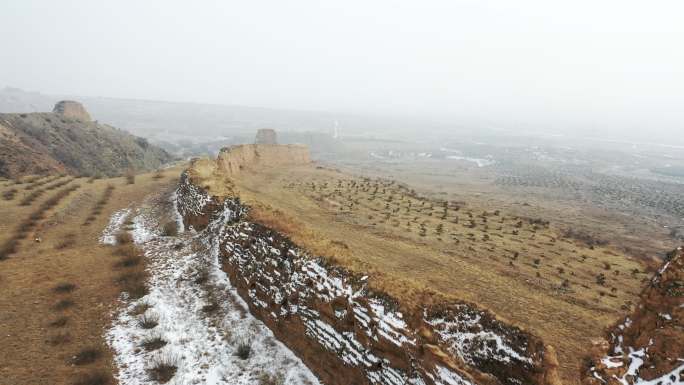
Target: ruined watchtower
{"x": 266, "y": 136}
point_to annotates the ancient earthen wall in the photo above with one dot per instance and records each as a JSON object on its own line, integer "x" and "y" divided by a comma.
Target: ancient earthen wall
{"x": 348, "y": 334}
{"x": 232, "y": 160}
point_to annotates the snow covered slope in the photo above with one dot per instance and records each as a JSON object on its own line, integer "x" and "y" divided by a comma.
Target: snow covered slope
{"x": 185, "y": 278}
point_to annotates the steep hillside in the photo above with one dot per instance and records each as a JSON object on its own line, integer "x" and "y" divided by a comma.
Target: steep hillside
{"x": 66, "y": 140}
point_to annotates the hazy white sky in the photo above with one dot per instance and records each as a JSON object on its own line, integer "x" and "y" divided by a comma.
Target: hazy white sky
{"x": 611, "y": 65}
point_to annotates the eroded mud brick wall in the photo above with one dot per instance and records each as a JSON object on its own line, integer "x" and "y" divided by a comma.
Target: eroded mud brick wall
{"x": 344, "y": 332}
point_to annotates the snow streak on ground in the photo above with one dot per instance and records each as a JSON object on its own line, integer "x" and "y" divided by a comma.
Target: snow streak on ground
{"x": 117, "y": 219}
{"x": 202, "y": 346}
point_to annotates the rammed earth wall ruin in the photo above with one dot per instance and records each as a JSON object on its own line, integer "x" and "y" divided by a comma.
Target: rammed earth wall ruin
{"x": 346, "y": 333}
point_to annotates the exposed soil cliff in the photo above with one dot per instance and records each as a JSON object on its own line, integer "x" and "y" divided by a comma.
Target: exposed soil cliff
{"x": 343, "y": 331}
{"x": 646, "y": 347}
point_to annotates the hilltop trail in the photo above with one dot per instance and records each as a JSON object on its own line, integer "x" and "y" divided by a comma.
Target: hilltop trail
{"x": 185, "y": 278}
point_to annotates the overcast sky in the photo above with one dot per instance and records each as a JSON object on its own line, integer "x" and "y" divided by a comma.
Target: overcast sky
{"x": 603, "y": 65}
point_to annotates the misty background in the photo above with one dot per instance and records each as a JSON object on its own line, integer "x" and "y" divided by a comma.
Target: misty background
{"x": 609, "y": 69}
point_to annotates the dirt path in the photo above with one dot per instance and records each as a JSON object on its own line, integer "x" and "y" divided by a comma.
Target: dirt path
{"x": 200, "y": 329}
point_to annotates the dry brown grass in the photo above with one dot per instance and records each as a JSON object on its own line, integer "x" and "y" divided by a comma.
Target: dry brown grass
{"x": 415, "y": 250}
{"x": 36, "y": 268}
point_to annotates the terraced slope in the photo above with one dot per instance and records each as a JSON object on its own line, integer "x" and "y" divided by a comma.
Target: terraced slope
{"x": 41, "y": 143}
{"x": 561, "y": 286}
{"x": 59, "y": 285}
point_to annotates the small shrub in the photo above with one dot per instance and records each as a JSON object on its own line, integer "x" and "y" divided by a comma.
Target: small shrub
{"x": 129, "y": 261}
{"x": 86, "y": 356}
{"x": 68, "y": 241}
{"x": 136, "y": 290}
{"x": 163, "y": 368}
{"x": 9, "y": 194}
{"x": 153, "y": 343}
{"x": 243, "y": 350}
{"x": 9, "y": 248}
{"x": 123, "y": 238}
{"x": 140, "y": 308}
{"x": 148, "y": 321}
{"x": 212, "y": 307}
{"x": 64, "y": 304}
{"x": 94, "y": 378}
{"x": 64, "y": 287}
{"x": 130, "y": 278}
{"x": 170, "y": 229}
{"x": 202, "y": 276}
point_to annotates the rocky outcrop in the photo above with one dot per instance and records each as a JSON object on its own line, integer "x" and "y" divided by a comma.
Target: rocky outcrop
{"x": 345, "y": 332}
{"x": 647, "y": 347}
{"x": 266, "y": 136}
{"x": 72, "y": 110}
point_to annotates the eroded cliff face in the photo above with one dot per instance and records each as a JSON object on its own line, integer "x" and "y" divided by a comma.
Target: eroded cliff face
{"x": 348, "y": 334}
{"x": 647, "y": 347}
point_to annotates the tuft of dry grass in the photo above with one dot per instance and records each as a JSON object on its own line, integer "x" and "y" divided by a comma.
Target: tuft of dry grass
{"x": 129, "y": 261}
{"x": 140, "y": 308}
{"x": 64, "y": 287}
{"x": 170, "y": 229}
{"x": 148, "y": 321}
{"x": 68, "y": 241}
{"x": 123, "y": 238}
{"x": 163, "y": 368}
{"x": 86, "y": 356}
{"x": 153, "y": 343}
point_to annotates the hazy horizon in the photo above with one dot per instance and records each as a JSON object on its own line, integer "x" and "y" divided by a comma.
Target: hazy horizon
{"x": 608, "y": 69}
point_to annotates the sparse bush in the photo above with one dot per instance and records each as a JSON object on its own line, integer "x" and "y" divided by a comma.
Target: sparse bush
{"x": 148, "y": 321}
{"x": 9, "y": 194}
{"x": 64, "y": 287}
{"x": 170, "y": 229}
{"x": 163, "y": 368}
{"x": 136, "y": 289}
{"x": 124, "y": 237}
{"x": 86, "y": 356}
{"x": 68, "y": 241}
{"x": 211, "y": 307}
{"x": 202, "y": 275}
{"x": 601, "y": 279}
{"x": 153, "y": 343}
{"x": 9, "y": 248}
{"x": 243, "y": 349}
{"x": 140, "y": 308}
{"x": 129, "y": 261}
